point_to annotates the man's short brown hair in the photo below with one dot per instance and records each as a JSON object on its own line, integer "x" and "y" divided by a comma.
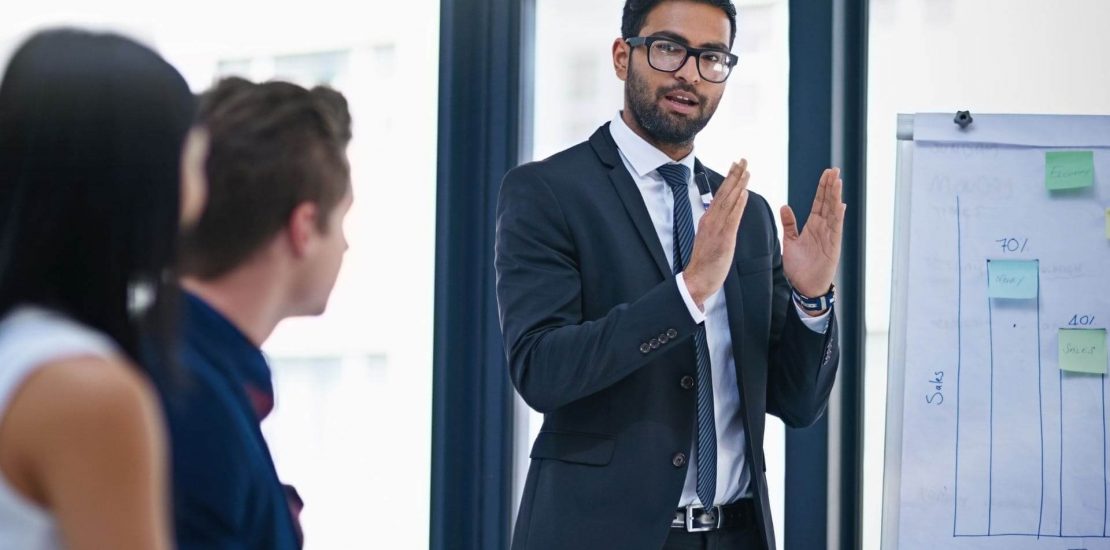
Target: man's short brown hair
{"x": 273, "y": 146}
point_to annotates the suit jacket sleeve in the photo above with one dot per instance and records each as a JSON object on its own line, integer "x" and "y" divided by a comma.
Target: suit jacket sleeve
{"x": 803, "y": 363}
{"x": 555, "y": 355}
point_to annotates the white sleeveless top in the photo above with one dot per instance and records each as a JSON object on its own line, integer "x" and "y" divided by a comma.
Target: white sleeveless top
{"x": 29, "y": 338}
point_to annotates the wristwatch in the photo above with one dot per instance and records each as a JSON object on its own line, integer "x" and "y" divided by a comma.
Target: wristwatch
{"x": 820, "y": 303}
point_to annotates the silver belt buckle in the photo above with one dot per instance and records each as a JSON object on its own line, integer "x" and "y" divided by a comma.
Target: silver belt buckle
{"x": 690, "y": 519}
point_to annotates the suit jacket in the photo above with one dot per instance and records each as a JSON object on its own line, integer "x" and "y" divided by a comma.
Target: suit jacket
{"x": 582, "y": 286}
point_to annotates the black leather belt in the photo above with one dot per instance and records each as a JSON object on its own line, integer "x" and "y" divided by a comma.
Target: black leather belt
{"x": 738, "y": 515}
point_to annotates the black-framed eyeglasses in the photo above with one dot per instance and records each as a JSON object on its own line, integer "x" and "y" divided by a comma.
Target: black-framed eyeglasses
{"x": 669, "y": 56}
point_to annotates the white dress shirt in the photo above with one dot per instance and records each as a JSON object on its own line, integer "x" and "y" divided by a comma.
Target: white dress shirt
{"x": 733, "y": 477}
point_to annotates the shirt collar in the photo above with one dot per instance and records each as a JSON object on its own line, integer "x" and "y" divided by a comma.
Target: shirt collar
{"x": 642, "y": 156}
{"x": 207, "y": 327}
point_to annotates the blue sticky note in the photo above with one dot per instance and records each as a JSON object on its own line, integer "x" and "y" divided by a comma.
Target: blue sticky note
{"x": 1012, "y": 279}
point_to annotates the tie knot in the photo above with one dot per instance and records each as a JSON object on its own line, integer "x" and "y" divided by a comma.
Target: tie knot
{"x": 677, "y": 176}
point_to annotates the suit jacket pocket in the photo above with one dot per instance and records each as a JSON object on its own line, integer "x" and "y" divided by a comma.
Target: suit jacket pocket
{"x": 574, "y": 447}
{"x": 755, "y": 264}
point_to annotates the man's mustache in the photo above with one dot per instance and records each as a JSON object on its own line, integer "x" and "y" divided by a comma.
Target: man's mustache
{"x": 683, "y": 88}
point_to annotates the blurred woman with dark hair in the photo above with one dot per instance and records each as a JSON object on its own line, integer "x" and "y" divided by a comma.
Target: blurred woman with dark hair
{"x": 93, "y": 130}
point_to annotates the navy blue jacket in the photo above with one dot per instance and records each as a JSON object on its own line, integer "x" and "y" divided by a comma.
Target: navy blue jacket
{"x": 226, "y": 493}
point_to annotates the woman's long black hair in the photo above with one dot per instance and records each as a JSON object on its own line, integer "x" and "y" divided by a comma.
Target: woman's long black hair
{"x": 91, "y": 132}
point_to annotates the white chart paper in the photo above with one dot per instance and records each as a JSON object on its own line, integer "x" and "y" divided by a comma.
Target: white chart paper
{"x": 1000, "y": 447}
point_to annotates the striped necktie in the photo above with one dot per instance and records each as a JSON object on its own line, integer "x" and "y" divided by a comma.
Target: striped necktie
{"x": 677, "y": 177}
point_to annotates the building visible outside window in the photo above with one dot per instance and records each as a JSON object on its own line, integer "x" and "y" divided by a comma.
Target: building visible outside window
{"x": 352, "y": 425}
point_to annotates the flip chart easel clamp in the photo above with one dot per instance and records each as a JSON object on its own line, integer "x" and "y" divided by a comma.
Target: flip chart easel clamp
{"x": 963, "y": 119}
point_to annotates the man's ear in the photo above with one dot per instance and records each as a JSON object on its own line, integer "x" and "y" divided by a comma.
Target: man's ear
{"x": 302, "y": 227}
{"x": 621, "y": 54}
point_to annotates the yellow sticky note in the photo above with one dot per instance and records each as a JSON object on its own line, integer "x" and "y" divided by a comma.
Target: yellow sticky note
{"x": 1083, "y": 350}
{"x": 1069, "y": 169}
{"x": 1012, "y": 279}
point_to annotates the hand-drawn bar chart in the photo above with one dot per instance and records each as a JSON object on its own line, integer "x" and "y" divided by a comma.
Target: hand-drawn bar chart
{"x": 1028, "y": 460}
{"x": 997, "y": 419}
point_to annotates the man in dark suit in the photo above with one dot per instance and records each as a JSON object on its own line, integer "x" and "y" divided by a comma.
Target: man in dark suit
{"x": 655, "y": 355}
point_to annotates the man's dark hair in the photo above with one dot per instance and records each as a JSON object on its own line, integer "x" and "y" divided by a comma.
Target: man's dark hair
{"x": 636, "y": 12}
{"x": 273, "y": 146}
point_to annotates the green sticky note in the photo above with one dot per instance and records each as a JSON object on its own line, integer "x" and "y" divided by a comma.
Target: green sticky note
{"x": 1069, "y": 169}
{"x": 1012, "y": 279}
{"x": 1083, "y": 350}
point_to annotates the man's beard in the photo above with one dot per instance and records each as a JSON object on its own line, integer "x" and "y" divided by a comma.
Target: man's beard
{"x": 664, "y": 127}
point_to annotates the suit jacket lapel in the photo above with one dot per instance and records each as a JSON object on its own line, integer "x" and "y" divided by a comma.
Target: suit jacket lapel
{"x": 602, "y": 142}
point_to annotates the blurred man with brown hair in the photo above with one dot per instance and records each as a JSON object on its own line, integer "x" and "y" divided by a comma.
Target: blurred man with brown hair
{"x": 268, "y": 247}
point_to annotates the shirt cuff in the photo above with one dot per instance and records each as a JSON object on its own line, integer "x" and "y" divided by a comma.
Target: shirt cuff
{"x": 695, "y": 311}
{"x": 818, "y": 324}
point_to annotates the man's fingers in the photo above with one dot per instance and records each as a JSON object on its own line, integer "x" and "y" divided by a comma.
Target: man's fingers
{"x": 819, "y": 197}
{"x": 836, "y": 203}
{"x": 828, "y": 194}
{"x": 789, "y": 222}
{"x": 731, "y": 180}
{"x": 727, "y": 220}
{"x": 830, "y": 182}
{"x": 737, "y": 213}
{"x": 838, "y": 227}
{"x": 728, "y": 189}
{"x": 721, "y": 196}
{"x": 742, "y": 198}
{"x": 833, "y": 232}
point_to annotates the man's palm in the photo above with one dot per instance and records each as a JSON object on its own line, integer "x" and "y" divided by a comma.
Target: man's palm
{"x": 811, "y": 257}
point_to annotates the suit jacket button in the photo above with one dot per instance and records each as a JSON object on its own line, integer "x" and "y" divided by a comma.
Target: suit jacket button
{"x": 644, "y": 348}
{"x": 687, "y": 382}
{"x": 663, "y": 339}
{"x": 654, "y": 343}
{"x": 679, "y": 460}
{"x": 672, "y": 333}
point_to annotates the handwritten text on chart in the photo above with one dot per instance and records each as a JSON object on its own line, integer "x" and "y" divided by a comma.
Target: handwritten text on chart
{"x": 935, "y": 395}
{"x": 1010, "y": 244}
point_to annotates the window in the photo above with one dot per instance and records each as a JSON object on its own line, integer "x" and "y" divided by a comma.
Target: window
{"x": 352, "y": 425}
